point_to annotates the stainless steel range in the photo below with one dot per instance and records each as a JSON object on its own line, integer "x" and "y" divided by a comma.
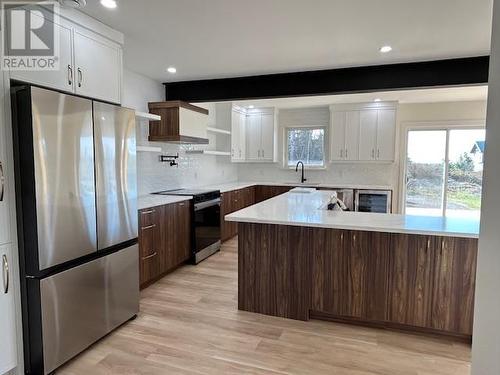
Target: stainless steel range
{"x": 206, "y": 221}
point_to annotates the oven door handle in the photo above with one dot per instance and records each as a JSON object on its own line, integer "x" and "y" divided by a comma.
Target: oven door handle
{"x": 202, "y": 205}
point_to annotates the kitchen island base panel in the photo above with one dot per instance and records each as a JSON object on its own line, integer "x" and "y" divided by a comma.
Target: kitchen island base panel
{"x": 408, "y": 282}
{"x": 274, "y": 271}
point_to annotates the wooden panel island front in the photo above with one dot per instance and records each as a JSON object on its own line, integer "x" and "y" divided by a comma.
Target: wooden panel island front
{"x": 302, "y": 264}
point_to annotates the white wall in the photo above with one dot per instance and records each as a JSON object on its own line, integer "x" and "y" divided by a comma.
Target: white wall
{"x": 486, "y": 338}
{"x": 193, "y": 170}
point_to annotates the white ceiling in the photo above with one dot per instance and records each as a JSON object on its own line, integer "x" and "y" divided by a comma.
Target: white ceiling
{"x": 451, "y": 94}
{"x": 226, "y": 38}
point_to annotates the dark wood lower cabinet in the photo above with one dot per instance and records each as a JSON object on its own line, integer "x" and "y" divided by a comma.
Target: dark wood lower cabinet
{"x": 453, "y": 284}
{"x": 232, "y": 201}
{"x": 412, "y": 282}
{"x": 263, "y": 192}
{"x": 164, "y": 240}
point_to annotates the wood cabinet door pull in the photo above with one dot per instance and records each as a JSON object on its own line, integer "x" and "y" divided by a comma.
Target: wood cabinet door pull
{"x": 149, "y": 226}
{"x": 150, "y": 256}
{"x": 148, "y": 212}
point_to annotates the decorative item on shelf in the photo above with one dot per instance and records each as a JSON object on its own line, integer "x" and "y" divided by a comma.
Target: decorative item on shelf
{"x": 170, "y": 159}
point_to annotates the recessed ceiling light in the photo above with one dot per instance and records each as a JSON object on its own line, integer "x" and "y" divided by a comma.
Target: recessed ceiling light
{"x": 377, "y": 100}
{"x": 385, "y": 49}
{"x": 251, "y": 107}
{"x": 111, "y": 4}
{"x": 171, "y": 70}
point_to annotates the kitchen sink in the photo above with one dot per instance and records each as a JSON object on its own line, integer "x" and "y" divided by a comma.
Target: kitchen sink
{"x": 304, "y": 185}
{"x": 303, "y": 190}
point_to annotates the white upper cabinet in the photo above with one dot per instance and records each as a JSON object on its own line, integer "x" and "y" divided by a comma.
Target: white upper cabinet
{"x": 4, "y": 185}
{"x": 8, "y": 346}
{"x": 89, "y": 63}
{"x": 238, "y": 135}
{"x": 386, "y": 134}
{"x": 368, "y": 134}
{"x": 254, "y": 132}
{"x": 363, "y": 133}
{"x": 261, "y": 135}
{"x": 338, "y": 120}
{"x": 61, "y": 79}
{"x": 345, "y": 135}
{"x": 351, "y": 151}
{"x": 267, "y": 137}
{"x": 98, "y": 67}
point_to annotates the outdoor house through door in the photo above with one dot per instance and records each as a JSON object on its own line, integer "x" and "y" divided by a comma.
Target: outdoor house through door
{"x": 444, "y": 171}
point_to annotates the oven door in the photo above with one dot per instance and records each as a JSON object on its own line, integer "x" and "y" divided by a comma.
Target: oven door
{"x": 207, "y": 228}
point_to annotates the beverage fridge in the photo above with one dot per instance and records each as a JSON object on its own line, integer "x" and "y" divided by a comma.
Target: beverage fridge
{"x": 76, "y": 198}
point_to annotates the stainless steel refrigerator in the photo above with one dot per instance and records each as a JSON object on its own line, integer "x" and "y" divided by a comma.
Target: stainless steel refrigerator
{"x": 76, "y": 194}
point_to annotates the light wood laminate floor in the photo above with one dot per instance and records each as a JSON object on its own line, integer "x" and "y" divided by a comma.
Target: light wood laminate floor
{"x": 189, "y": 324}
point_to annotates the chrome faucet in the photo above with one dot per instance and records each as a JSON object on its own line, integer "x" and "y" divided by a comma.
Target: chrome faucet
{"x": 302, "y": 179}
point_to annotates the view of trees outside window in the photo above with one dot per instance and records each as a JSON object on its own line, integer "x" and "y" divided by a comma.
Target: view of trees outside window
{"x": 307, "y": 145}
{"x": 428, "y": 190}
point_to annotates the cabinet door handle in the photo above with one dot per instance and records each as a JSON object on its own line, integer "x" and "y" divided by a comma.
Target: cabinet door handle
{"x": 182, "y": 204}
{"x": 346, "y": 153}
{"x": 148, "y": 212}
{"x": 2, "y": 182}
{"x": 341, "y": 153}
{"x": 373, "y": 153}
{"x": 5, "y": 274}
{"x": 80, "y": 77}
{"x": 232, "y": 152}
{"x": 70, "y": 75}
{"x": 378, "y": 154}
{"x": 149, "y": 227}
{"x": 263, "y": 154}
{"x": 150, "y": 256}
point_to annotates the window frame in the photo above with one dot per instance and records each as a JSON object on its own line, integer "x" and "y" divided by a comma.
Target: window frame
{"x": 447, "y": 126}
{"x": 305, "y": 127}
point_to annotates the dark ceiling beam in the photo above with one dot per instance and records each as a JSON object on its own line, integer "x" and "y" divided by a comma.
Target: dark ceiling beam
{"x": 438, "y": 73}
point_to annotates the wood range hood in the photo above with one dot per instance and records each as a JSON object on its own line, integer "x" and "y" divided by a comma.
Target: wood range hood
{"x": 180, "y": 122}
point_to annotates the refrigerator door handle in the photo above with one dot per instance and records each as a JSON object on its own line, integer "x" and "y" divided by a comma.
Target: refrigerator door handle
{"x": 5, "y": 274}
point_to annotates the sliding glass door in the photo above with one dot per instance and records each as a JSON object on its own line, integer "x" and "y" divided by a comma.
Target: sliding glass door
{"x": 444, "y": 172}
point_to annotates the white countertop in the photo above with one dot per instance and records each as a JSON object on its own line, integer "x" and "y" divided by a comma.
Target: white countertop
{"x": 230, "y": 186}
{"x": 299, "y": 209}
{"x": 154, "y": 200}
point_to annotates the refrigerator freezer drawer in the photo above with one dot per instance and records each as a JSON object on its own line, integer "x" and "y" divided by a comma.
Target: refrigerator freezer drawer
{"x": 82, "y": 304}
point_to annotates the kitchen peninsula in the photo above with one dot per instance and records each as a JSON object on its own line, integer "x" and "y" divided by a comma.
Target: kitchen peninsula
{"x": 300, "y": 261}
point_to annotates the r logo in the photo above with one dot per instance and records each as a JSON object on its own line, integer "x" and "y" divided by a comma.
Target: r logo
{"x": 30, "y": 40}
